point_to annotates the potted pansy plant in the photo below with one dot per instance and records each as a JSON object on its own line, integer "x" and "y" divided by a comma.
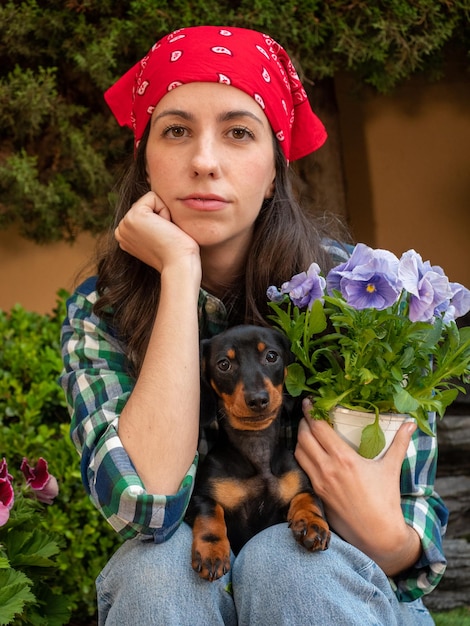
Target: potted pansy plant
{"x": 374, "y": 339}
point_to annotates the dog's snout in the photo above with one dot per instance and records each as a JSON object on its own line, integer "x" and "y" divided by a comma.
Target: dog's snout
{"x": 257, "y": 401}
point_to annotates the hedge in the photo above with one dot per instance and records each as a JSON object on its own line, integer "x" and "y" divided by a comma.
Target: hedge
{"x": 34, "y": 422}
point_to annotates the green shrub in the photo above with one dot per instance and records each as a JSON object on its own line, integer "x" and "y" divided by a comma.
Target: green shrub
{"x": 61, "y": 147}
{"x": 34, "y": 422}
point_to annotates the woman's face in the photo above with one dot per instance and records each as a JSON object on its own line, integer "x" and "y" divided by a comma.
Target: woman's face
{"x": 210, "y": 158}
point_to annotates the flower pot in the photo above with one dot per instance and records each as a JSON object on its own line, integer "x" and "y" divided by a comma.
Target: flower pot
{"x": 349, "y": 425}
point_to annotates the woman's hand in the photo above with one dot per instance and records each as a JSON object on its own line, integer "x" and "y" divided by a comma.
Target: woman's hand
{"x": 361, "y": 496}
{"x": 147, "y": 232}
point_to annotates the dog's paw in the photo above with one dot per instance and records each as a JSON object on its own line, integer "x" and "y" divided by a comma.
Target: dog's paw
{"x": 308, "y": 526}
{"x": 211, "y": 559}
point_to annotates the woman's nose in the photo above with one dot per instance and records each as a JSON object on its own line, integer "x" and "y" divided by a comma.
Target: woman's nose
{"x": 206, "y": 158}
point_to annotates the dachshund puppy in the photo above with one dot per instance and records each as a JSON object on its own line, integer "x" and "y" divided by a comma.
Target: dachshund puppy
{"x": 249, "y": 480}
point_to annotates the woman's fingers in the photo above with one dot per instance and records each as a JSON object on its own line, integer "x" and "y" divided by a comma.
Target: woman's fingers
{"x": 397, "y": 451}
{"x": 147, "y": 232}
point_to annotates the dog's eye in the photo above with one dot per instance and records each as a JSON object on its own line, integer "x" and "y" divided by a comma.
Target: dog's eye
{"x": 272, "y": 356}
{"x": 224, "y": 365}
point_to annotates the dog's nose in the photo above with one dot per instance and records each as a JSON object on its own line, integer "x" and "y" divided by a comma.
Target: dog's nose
{"x": 257, "y": 401}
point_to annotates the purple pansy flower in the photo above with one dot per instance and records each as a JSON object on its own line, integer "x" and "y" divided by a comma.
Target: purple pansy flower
{"x": 274, "y": 294}
{"x": 376, "y": 292}
{"x": 368, "y": 279}
{"x": 460, "y": 301}
{"x": 428, "y": 286}
{"x": 38, "y": 478}
{"x": 361, "y": 255}
{"x": 306, "y": 287}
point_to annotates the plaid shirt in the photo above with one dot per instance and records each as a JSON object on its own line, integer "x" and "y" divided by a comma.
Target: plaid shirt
{"x": 97, "y": 385}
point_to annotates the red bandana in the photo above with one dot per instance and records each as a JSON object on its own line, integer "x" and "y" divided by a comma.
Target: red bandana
{"x": 245, "y": 59}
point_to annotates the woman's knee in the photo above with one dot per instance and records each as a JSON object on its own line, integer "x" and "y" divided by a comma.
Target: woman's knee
{"x": 154, "y": 584}
{"x": 276, "y": 548}
{"x": 138, "y": 562}
{"x": 276, "y": 580}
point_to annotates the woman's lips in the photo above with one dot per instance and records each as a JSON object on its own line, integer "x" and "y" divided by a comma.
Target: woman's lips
{"x": 205, "y": 203}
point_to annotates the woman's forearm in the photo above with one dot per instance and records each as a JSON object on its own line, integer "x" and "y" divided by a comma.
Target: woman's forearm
{"x": 395, "y": 548}
{"x": 403, "y": 555}
{"x": 160, "y": 424}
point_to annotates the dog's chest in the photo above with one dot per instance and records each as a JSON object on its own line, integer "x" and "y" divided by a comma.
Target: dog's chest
{"x": 254, "y": 495}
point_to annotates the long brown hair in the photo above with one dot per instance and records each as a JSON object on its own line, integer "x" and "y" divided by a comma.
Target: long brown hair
{"x": 286, "y": 240}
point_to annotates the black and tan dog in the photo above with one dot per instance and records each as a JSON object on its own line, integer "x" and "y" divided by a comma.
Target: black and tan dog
{"x": 249, "y": 480}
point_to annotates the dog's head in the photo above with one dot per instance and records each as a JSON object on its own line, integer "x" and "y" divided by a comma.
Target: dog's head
{"x": 246, "y": 366}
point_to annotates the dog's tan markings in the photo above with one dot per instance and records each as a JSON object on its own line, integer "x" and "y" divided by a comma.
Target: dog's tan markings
{"x": 237, "y": 410}
{"x": 234, "y": 403}
{"x": 289, "y": 486}
{"x": 230, "y": 492}
{"x": 211, "y": 549}
{"x": 231, "y": 354}
{"x": 305, "y": 502}
{"x": 275, "y": 394}
{"x": 307, "y": 523}
{"x": 210, "y": 528}
{"x": 261, "y": 346}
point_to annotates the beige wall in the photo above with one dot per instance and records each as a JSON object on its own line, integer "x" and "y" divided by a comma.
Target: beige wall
{"x": 407, "y": 162}
{"x": 406, "y": 158}
{"x": 32, "y": 274}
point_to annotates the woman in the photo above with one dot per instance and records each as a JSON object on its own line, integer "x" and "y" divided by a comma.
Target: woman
{"x": 206, "y": 221}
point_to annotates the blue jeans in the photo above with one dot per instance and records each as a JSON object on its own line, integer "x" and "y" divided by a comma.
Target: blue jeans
{"x": 274, "y": 582}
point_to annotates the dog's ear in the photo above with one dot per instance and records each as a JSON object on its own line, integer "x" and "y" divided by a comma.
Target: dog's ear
{"x": 209, "y": 399}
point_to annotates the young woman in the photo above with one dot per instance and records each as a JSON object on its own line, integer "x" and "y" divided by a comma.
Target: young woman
{"x": 206, "y": 221}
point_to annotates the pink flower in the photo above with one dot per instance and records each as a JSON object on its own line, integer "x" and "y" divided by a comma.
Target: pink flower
{"x": 38, "y": 478}
{"x": 4, "y": 470}
{"x": 7, "y": 495}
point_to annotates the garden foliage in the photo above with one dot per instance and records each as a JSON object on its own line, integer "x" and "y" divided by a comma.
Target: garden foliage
{"x": 28, "y": 551}
{"x": 61, "y": 148}
{"x": 34, "y": 423}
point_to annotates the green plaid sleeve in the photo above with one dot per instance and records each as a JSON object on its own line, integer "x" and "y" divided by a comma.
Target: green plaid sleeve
{"x": 426, "y": 513}
{"x": 97, "y": 385}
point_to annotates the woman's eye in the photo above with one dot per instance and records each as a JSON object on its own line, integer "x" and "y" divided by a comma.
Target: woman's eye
{"x": 241, "y": 133}
{"x": 224, "y": 365}
{"x": 175, "y": 131}
{"x": 272, "y": 356}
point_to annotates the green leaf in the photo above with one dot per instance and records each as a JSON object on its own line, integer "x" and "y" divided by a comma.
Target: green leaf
{"x": 372, "y": 441}
{"x": 31, "y": 548}
{"x": 295, "y": 380}
{"x": 442, "y": 399}
{"x": 366, "y": 376}
{"x": 4, "y": 562}
{"x": 317, "y": 322}
{"x": 433, "y": 334}
{"x": 281, "y": 317}
{"x": 464, "y": 333}
{"x": 53, "y": 609}
{"x": 397, "y": 373}
{"x": 14, "y": 594}
{"x": 404, "y": 402}
{"x": 330, "y": 400}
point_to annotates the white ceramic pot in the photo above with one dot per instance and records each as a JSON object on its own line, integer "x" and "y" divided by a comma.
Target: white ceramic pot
{"x": 349, "y": 425}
